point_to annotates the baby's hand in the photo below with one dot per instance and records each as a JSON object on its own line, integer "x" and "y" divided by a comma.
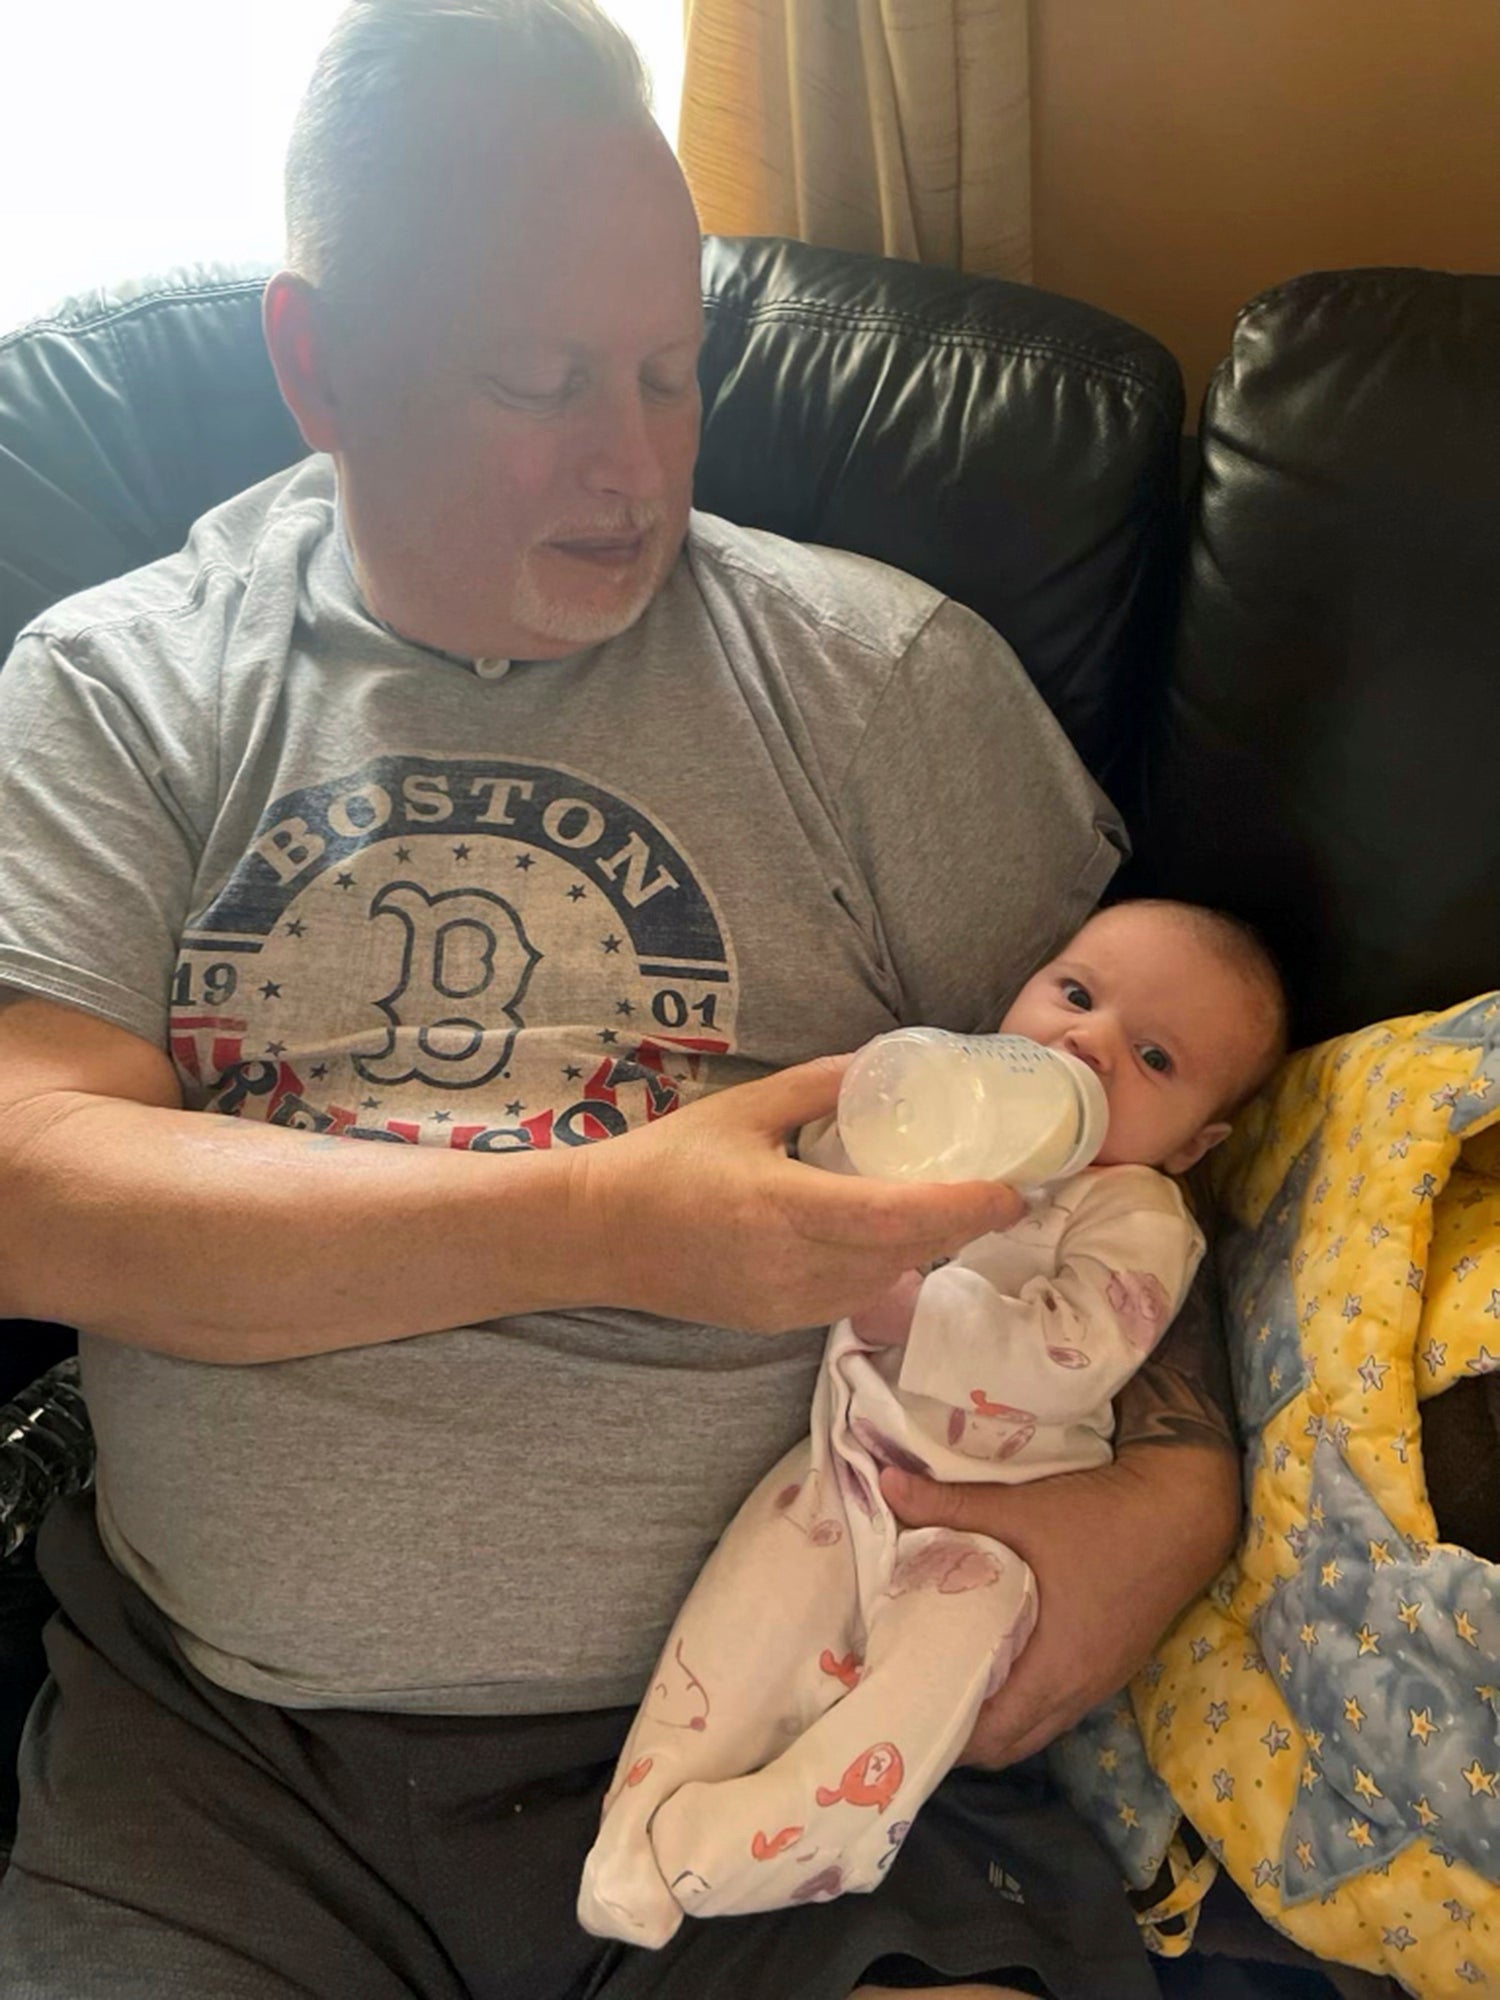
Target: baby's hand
{"x": 888, "y": 1322}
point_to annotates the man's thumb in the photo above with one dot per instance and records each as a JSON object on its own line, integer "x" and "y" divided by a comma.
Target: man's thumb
{"x": 797, "y": 1096}
{"x": 923, "y": 1503}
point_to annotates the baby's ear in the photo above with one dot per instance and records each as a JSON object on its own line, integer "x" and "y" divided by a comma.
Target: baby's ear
{"x": 1192, "y": 1150}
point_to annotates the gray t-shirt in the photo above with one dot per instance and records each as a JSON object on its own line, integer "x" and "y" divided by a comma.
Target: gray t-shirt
{"x": 357, "y": 886}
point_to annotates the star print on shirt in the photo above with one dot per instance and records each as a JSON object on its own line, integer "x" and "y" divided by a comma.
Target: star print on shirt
{"x": 428, "y": 983}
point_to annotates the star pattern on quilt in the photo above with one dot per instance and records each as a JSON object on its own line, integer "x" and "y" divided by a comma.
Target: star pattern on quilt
{"x": 1102, "y": 1767}
{"x": 1475, "y": 1026}
{"x": 1259, "y": 1287}
{"x": 1385, "y": 1680}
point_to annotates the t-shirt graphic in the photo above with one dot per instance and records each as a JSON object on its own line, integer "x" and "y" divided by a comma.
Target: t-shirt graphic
{"x": 454, "y": 951}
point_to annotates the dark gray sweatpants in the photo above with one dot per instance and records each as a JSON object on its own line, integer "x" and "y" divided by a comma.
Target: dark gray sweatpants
{"x": 177, "y": 1840}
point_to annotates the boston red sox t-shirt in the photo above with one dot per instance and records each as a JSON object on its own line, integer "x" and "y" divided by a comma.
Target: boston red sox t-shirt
{"x": 358, "y": 887}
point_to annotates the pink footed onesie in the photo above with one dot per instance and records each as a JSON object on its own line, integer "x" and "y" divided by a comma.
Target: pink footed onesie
{"x": 827, "y": 1668}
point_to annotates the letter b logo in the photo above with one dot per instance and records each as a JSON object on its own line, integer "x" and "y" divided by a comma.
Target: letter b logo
{"x": 454, "y": 1009}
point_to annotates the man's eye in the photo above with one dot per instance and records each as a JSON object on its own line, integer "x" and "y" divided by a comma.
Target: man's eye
{"x": 669, "y": 388}
{"x": 1076, "y": 995}
{"x": 1157, "y": 1059}
{"x": 538, "y": 390}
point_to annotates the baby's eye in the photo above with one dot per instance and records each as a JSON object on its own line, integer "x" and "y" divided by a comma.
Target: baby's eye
{"x": 1076, "y": 995}
{"x": 1157, "y": 1059}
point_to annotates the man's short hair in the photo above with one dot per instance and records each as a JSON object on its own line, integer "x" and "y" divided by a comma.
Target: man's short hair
{"x": 398, "y": 80}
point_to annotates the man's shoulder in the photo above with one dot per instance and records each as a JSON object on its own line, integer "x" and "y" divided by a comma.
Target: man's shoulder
{"x": 828, "y": 591}
{"x": 223, "y": 548}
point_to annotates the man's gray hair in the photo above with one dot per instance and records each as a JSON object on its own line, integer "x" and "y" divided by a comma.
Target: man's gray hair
{"x": 394, "y": 70}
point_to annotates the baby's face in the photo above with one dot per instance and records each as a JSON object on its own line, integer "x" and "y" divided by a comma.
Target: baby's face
{"x": 1172, "y": 1032}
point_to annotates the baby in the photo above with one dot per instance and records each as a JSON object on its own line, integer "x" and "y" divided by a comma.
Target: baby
{"x": 828, "y": 1666}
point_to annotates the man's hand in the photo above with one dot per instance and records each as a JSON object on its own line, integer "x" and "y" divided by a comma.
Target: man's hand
{"x": 887, "y": 1323}
{"x": 1117, "y": 1553}
{"x": 702, "y": 1216}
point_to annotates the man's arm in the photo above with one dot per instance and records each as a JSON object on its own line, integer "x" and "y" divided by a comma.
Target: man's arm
{"x": 230, "y": 1241}
{"x": 1117, "y": 1553}
{"x": 1182, "y": 1391}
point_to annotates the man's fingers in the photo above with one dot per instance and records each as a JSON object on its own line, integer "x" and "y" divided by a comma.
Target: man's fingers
{"x": 778, "y": 1104}
{"x": 927, "y": 1218}
{"x": 1011, "y": 1728}
{"x": 929, "y": 1503}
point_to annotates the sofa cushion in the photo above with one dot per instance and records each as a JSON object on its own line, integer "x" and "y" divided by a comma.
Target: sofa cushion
{"x": 1326, "y": 761}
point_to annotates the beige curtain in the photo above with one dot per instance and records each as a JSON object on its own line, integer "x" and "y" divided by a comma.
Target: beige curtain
{"x": 898, "y": 126}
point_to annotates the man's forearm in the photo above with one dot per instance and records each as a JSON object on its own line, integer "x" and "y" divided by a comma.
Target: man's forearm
{"x": 1183, "y": 1496}
{"x": 1182, "y": 1391}
{"x": 201, "y": 1235}
{"x": 229, "y": 1240}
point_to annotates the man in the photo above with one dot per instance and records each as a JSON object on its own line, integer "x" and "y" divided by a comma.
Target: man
{"x": 441, "y": 794}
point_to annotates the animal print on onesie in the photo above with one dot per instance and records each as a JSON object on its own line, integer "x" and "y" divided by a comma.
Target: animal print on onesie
{"x": 829, "y": 1664}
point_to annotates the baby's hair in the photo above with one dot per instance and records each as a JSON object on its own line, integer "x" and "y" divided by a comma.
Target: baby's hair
{"x": 1239, "y": 945}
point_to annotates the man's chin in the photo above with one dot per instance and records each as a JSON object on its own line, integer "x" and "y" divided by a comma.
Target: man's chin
{"x": 565, "y": 621}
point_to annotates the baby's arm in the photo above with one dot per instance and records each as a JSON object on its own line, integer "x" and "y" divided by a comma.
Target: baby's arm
{"x": 1062, "y": 1345}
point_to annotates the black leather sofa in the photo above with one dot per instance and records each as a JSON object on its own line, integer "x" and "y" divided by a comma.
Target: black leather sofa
{"x": 1286, "y": 667}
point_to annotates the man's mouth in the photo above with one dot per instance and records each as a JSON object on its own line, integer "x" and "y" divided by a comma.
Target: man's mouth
{"x": 607, "y": 551}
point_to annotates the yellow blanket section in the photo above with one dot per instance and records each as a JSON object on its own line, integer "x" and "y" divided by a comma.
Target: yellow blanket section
{"x": 1328, "y": 1717}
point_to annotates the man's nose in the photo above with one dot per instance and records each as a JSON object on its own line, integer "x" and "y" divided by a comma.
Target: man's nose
{"x": 622, "y": 455}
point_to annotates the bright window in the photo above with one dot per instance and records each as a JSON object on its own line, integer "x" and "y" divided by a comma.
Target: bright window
{"x": 141, "y": 134}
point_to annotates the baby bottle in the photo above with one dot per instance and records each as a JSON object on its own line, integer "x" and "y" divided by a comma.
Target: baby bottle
{"x": 921, "y": 1104}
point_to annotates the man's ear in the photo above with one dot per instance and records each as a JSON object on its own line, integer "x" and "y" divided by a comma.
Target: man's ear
{"x": 298, "y": 338}
{"x": 1192, "y": 1150}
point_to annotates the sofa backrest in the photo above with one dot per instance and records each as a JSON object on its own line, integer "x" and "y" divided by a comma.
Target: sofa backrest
{"x": 1017, "y": 450}
{"x": 1327, "y": 762}
{"x": 1321, "y": 759}
{"x": 123, "y": 417}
